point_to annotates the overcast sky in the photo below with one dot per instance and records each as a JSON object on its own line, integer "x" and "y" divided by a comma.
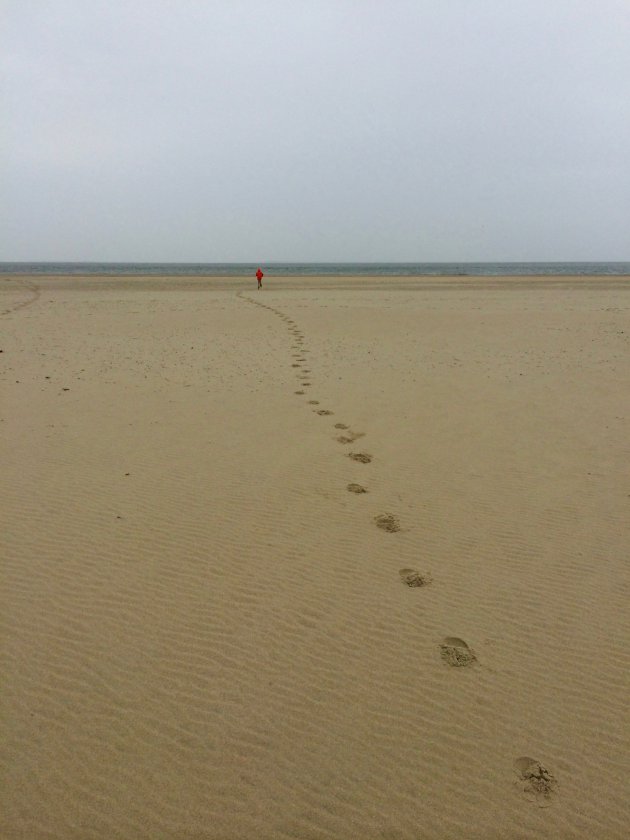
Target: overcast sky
{"x": 323, "y": 130}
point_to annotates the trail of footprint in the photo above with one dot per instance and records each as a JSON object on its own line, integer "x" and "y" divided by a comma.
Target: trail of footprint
{"x": 31, "y": 287}
{"x": 298, "y": 346}
{"x": 387, "y": 522}
{"x": 455, "y": 652}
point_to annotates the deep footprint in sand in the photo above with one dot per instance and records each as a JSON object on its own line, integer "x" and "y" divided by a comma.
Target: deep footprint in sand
{"x": 535, "y": 779}
{"x": 413, "y": 578}
{"x": 356, "y": 488}
{"x": 299, "y": 392}
{"x": 387, "y": 522}
{"x": 456, "y": 652}
{"x": 361, "y": 457}
{"x": 296, "y": 365}
{"x": 313, "y": 402}
{"x": 324, "y": 412}
{"x": 341, "y": 426}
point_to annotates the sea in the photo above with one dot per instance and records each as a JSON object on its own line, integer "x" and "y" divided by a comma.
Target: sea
{"x": 306, "y": 269}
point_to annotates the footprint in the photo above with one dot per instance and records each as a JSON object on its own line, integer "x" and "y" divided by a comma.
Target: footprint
{"x": 299, "y": 392}
{"x": 387, "y": 522}
{"x": 536, "y": 779}
{"x": 313, "y": 402}
{"x": 411, "y": 577}
{"x": 324, "y": 412}
{"x": 362, "y": 457}
{"x": 341, "y": 426}
{"x": 356, "y": 488}
{"x": 306, "y": 383}
{"x": 296, "y": 365}
{"x": 351, "y": 437}
{"x": 456, "y": 652}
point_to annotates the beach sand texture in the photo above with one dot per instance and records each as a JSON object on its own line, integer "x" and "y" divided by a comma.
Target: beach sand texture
{"x": 217, "y": 624}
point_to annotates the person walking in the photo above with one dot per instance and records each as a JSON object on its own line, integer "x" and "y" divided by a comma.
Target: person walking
{"x": 259, "y": 277}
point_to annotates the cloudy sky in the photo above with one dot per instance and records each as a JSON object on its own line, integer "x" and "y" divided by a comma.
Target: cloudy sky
{"x": 324, "y": 130}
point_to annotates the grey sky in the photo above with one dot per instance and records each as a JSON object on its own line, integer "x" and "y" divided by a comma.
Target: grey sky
{"x": 262, "y": 130}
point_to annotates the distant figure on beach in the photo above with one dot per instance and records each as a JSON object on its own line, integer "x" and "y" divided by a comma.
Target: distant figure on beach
{"x": 259, "y": 277}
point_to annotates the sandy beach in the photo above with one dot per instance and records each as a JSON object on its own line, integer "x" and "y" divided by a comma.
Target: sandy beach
{"x": 342, "y": 558}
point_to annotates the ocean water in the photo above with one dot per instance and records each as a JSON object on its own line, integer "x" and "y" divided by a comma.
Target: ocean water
{"x": 280, "y": 269}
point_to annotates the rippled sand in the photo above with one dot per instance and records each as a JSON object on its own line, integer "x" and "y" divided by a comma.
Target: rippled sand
{"x": 344, "y": 558}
